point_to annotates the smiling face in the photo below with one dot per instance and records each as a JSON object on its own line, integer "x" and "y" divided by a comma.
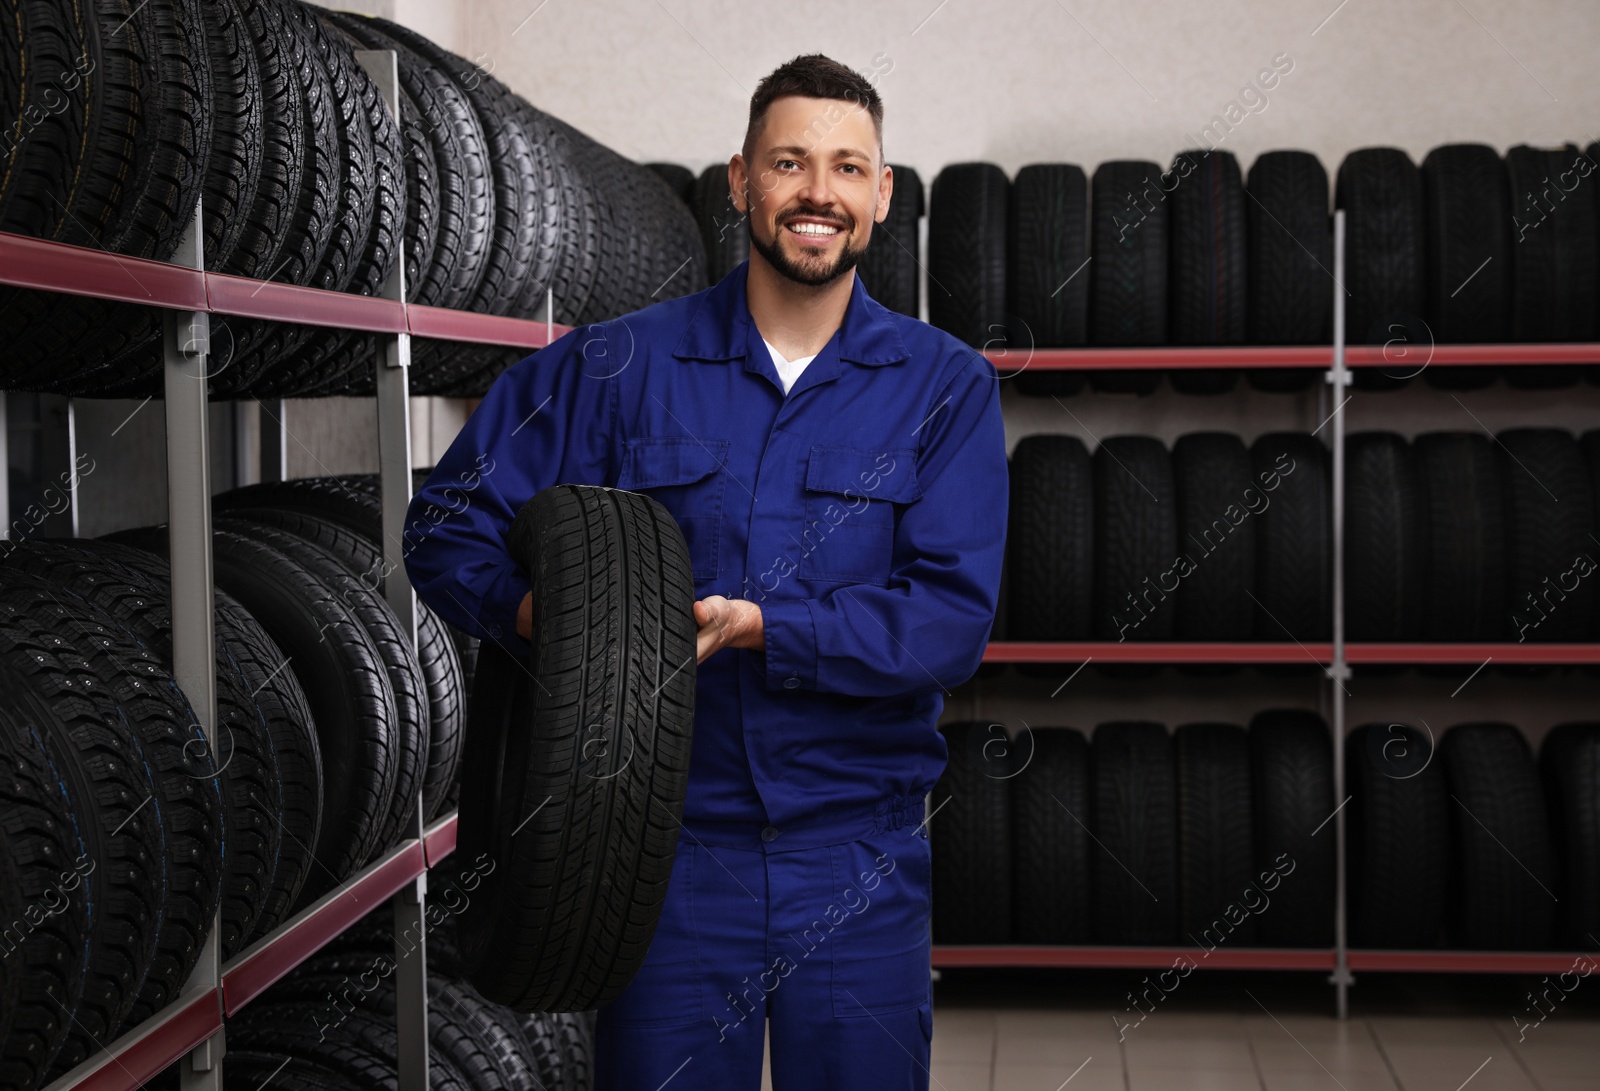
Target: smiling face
{"x": 813, "y": 186}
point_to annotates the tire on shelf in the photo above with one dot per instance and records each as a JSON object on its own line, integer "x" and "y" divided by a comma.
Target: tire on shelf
{"x": 679, "y": 179}
{"x": 1135, "y": 539}
{"x": 1290, "y": 255}
{"x": 1569, "y": 764}
{"x": 1465, "y": 578}
{"x": 889, "y": 270}
{"x": 1464, "y": 190}
{"x": 1555, "y": 264}
{"x": 1386, "y": 538}
{"x": 1550, "y": 510}
{"x": 561, "y": 1045}
{"x": 1503, "y": 865}
{"x": 409, "y": 728}
{"x": 1050, "y": 847}
{"x": 1213, "y": 483}
{"x": 1217, "y": 901}
{"x": 1050, "y": 540}
{"x": 1128, "y": 276}
{"x": 1135, "y": 869}
{"x": 1209, "y": 253}
{"x": 109, "y": 780}
{"x": 723, "y": 227}
{"x": 1398, "y": 832}
{"x": 1294, "y": 539}
{"x": 436, "y": 654}
{"x": 50, "y": 859}
{"x": 970, "y": 836}
{"x": 1380, "y": 190}
{"x": 1291, "y": 793}
{"x": 187, "y": 793}
{"x": 1047, "y": 248}
{"x": 967, "y": 212}
{"x": 616, "y": 561}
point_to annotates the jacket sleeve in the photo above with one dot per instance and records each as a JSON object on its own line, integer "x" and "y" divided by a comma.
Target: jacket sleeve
{"x": 547, "y": 420}
{"x": 925, "y": 631}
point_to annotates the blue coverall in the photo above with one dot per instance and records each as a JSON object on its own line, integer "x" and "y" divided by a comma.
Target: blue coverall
{"x": 865, "y": 512}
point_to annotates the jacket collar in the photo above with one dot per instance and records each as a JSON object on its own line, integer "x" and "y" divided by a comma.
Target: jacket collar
{"x": 721, "y": 328}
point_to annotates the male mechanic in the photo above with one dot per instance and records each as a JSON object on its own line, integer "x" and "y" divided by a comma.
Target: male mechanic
{"x": 839, "y": 472}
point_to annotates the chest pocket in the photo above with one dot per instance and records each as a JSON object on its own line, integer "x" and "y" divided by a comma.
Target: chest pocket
{"x": 852, "y": 496}
{"x": 686, "y": 475}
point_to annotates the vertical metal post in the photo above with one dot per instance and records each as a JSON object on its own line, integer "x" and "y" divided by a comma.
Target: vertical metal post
{"x": 392, "y": 382}
{"x": 5, "y": 470}
{"x": 186, "y": 337}
{"x": 274, "y": 440}
{"x": 72, "y": 462}
{"x": 1339, "y": 670}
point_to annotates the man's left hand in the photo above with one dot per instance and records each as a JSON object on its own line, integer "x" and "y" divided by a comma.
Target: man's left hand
{"x": 727, "y": 623}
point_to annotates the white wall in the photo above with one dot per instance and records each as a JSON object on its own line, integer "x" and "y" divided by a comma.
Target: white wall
{"x": 1083, "y": 81}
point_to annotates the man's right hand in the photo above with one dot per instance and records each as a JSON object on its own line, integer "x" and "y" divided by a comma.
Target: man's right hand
{"x": 525, "y": 617}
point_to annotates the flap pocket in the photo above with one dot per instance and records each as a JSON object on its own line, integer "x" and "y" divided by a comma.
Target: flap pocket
{"x": 653, "y": 461}
{"x": 877, "y": 475}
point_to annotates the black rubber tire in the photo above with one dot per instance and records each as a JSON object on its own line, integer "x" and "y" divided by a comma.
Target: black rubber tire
{"x": 1550, "y": 509}
{"x": 1398, "y": 832}
{"x": 358, "y": 1046}
{"x": 1291, "y": 794}
{"x": 1050, "y": 540}
{"x": 571, "y": 936}
{"x": 48, "y": 845}
{"x": 234, "y": 167}
{"x": 1380, "y": 190}
{"x": 1569, "y": 764}
{"x": 407, "y": 730}
{"x": 1290, "y": 261}
{"x": 1135, "y": 539}
{"x": 970, "y": 836}
{"x": 1216, "y": 857}
{"x": 1504, "y": 870}
{"x": 967, "y": 214}
{"x": 187, "y": 797}
{"x": 1135, "y": 869}
{"x": 435, "y": 653}
{"x": 458, "y": 1015}
{"x": 1468, "y": 249}
{"x": 723, "y": 228}
{"x": 1294, "y": 540}
{"x": 1386, "y": 539}
{"x": 1212, "y": 477}
{"x": 1128, "y": 286}
{"x": 561, "y": 1046}
{"x": 1465, "y": 576}
{"x": 1047, "y": 248}
{"x": 1050, "y": 846}
{"x": 889, "y": 270}
{"x": 466, "y": 200}
{"x": 1208, "y": 278}
{"x": 1555, "y": 278}
{"x": 110, "y": 783}
{"x": 679, "y": 178}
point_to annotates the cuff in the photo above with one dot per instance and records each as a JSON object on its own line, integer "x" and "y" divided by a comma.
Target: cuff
{"x": 789, "y": 638}
{"x": 497, "y": 617}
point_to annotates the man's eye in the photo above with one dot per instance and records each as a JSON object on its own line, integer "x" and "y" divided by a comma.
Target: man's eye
{"x": 852, "y": 166}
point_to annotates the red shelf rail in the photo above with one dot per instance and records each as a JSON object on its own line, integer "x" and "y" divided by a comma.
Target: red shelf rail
{"x": 1133, "y": 958}
{"x": 84, "y": 271}
{"x": 1012, "y": 360}
{"x": 1471, "y": 962}
{"x": 1320, "y": 654}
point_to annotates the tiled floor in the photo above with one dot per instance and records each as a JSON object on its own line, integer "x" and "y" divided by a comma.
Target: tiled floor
{"x": 1438, "y": 1035}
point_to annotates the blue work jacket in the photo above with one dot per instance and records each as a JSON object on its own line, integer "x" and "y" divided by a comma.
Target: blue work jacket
{"x": 864, "y": 511}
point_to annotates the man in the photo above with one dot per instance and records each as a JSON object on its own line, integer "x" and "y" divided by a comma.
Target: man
{"x": 839, "y": 473}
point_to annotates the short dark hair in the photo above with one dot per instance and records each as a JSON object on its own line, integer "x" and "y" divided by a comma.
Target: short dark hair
{"x": 813, "y": 75}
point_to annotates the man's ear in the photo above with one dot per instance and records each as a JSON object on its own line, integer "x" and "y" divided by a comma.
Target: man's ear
{"x": 737, "y": 173}
{"x": 885, "y": 192}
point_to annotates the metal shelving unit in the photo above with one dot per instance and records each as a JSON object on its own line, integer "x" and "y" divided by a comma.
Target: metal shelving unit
{"x": 1335, "y": 658}
{"x": 194, "y": 1025}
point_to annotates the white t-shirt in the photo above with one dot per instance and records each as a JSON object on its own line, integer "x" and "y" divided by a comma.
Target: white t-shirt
{"x": 788, "y": 370}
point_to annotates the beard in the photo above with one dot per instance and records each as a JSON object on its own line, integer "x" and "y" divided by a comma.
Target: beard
{"x": 815, "y": 271}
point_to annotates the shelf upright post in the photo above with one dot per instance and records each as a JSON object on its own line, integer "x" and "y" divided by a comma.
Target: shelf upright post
{"x": 187, "y": 336}
{"x": 1339, "y": 669}
{"x": 392, "y": 383}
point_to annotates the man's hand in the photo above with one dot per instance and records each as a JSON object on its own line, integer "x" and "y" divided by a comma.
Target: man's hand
{"x": 525, "y": 617}
{"x": 727, "y": 623}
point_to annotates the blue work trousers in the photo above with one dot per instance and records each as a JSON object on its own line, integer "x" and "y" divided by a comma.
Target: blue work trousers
{"x": 831, "y": 944}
